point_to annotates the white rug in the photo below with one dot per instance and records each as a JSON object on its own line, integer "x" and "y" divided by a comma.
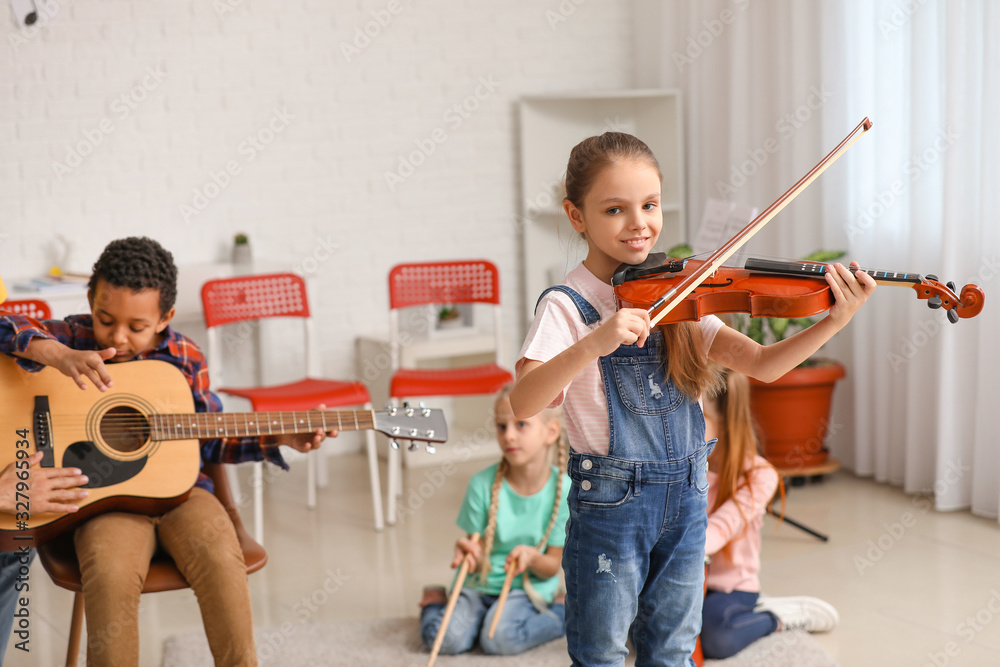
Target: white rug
{"x": 396, "y": 643}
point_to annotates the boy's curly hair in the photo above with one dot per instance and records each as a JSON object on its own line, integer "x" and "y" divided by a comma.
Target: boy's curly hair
{"x": 138, "y": 263}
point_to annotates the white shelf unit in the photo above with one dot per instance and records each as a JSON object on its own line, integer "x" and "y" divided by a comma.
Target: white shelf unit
{"x": 550, "y": 126}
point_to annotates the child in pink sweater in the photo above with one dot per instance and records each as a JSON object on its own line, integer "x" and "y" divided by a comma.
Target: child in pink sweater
{"x": 741, "y": 484}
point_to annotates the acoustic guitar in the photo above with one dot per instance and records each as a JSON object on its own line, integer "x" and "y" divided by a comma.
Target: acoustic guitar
{"x": 138, "y": 442}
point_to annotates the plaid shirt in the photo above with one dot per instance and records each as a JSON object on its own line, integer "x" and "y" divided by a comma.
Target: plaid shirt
{"x": 77, "y": 332}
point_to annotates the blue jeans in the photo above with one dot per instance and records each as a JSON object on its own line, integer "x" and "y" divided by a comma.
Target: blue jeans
{"x": 521, "y": 626}
{"x": 10, "y": 566}
{"x": 729, "y": 623}
{"x": 635, "y": 543}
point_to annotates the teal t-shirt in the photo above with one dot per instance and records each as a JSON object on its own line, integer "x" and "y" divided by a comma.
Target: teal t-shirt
{"x": 520, "y": 520}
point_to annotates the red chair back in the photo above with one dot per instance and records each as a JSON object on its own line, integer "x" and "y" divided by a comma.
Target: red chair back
{"x": 468, "y": 281}
{"x": 35, "y": 308}
{"x": 256, "y": 297}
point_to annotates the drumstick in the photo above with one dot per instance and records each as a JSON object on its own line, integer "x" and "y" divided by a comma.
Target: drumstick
{"x": 503, "y": 597}
{"x": 452, "y": 601}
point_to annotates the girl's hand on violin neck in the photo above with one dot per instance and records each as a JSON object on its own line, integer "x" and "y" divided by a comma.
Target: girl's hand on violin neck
{"x": 627, "y": 326}
{"x": 464, "y": 547}
{"x": 851, "y": 288}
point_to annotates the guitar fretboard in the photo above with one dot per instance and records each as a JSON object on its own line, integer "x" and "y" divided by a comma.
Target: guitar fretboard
{"x": 200, "y": 425}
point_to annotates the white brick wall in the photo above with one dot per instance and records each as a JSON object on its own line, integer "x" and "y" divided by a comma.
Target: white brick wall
{"x": 167, "y": 93}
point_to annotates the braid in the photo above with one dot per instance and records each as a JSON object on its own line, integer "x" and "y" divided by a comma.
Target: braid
{"x": 491, "y": 522}
{"x": 536, "y": 598}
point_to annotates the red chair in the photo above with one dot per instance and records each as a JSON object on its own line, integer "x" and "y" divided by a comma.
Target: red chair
{"x": 35, "y": 308}
{"x": 256, "y": 297}
{"x": 440, "y": 283}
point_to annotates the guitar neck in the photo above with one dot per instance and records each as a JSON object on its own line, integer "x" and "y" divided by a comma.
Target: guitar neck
{"x": 202, "y": 425}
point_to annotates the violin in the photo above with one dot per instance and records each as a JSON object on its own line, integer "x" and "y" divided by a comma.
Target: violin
{"x": 768, "y": 288}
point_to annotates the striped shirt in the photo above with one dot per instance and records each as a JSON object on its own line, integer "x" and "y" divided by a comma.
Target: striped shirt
{"x": 557, "y": 326}
{"x": 77, "y": 332}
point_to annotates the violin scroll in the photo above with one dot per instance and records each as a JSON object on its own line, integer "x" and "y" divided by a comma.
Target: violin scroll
{"x": 959, "y": 306}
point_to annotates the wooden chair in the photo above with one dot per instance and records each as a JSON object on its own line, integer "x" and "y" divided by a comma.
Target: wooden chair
{"x": 59, "y": 559}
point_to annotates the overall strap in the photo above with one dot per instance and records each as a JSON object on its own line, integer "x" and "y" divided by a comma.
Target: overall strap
{"x": 587, "y": 311}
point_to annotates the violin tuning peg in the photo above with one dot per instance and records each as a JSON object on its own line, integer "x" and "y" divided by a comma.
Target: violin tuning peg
{"x": 934, "y": 302}
{"x": 953, "y": 316}
{"x": 951, "y": 285}
{"x": 931, "y": 276}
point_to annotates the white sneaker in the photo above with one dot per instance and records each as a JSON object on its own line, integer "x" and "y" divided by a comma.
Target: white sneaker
{"x": 800, "y": 613}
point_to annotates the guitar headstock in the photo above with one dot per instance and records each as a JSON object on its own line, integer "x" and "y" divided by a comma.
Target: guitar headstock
{"x": 416, "y": 424}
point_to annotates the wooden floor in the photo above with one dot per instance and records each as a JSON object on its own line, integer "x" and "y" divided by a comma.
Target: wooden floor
{"x": 913, "y": 587}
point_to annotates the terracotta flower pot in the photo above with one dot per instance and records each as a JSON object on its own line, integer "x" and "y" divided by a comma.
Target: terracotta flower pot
{"x": 793, "y": 413}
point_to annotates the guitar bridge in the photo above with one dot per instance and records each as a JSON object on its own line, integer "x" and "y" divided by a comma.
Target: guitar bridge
{"x": 42, "y": 427}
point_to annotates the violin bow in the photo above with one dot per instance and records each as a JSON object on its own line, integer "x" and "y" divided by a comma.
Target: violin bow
{"x": 674, "y": 296}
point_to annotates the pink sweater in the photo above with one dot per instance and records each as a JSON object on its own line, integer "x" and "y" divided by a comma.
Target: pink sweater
{"x": 738, "y": 569}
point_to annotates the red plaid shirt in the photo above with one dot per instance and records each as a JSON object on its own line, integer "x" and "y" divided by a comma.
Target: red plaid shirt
{"x": 77, "y": 332}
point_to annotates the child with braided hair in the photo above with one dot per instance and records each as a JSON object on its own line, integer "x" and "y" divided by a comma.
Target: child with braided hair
{"x": 519, "y": 507}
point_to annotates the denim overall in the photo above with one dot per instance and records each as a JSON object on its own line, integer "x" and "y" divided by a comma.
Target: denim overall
{"x": 634, "y": 557}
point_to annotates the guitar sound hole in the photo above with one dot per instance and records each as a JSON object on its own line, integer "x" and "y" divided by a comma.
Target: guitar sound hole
{"x": 124, "y": 429}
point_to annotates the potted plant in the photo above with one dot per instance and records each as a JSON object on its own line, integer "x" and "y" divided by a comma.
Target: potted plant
{"x": 793, "y": 412}
{"x": 242, "y": 254}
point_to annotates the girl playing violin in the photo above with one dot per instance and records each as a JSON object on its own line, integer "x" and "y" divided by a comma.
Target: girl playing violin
{"x": 741, "y": 484}
{"x": 634, "y": 553}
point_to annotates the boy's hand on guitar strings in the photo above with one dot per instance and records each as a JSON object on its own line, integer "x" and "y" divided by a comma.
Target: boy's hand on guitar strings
{"x": 89, "y": 364}
{"x": 50, "y": 489}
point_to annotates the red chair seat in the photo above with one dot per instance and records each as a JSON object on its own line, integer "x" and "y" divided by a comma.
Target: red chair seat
{"x": 485, "y": 379}
{"x": 294, "y": 395}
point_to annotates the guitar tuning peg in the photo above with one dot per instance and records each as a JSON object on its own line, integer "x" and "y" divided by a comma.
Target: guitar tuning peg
{"x": 934, "y": 302}
{"x": 430, "y": 448}
{"x": 406, "y": 404}
{"x": 951, "y": 285}
{"x": 953, "y": 316}
{"x": 413, "y": 446}
{"x": 394, "y": 444}
{"x": 421, "y": 404}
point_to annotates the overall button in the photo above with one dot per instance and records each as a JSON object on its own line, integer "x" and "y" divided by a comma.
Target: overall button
{"x": 587, "y": 464}
{"x": 585, "y": 485}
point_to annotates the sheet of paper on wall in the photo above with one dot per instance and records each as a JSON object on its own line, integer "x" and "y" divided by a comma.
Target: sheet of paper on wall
{"x": 721, "y": 221}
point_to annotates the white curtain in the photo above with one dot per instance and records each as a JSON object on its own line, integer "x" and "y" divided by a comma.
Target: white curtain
{"x": 771, "y": 87}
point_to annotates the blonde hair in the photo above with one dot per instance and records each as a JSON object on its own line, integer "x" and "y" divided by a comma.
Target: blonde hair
{"x": 737, "y": 442}
{"x": 689, "y": 367}
{"x": 561, "y": 447}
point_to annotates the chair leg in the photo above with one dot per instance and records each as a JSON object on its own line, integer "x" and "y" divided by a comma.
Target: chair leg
{"x": 311, "y": 479}
{"x": 75, "y": 630}
{"x": 392, "y": 462}
{"x": 376, "y": 483}
{"x": 322, "y": 471}
{"x": 258, "y": 502}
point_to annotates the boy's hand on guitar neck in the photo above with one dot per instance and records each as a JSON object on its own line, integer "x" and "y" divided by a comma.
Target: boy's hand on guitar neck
{"x": 50, "y": 489}
{"x": 74, "y": 364}
{"x": 304, "y": 442}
